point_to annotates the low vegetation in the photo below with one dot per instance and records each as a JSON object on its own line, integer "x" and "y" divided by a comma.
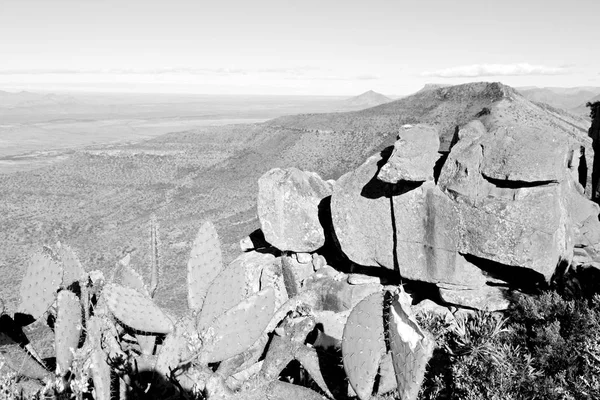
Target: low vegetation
{"x": 544, "y": 347}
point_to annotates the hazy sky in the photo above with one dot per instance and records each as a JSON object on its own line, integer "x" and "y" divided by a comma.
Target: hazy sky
{"x": 295, "y": 47}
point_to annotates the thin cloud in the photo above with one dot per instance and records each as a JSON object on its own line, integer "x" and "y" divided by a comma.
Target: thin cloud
{"x": 477, "y": 70}
{"x": 124, "y": 71}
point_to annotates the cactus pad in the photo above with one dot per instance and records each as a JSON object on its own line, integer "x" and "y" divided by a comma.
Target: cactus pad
{"x": 411, "y": 348}
{"x": 72, "y": 269}
{"x": 237, "y": 329}
{"x": 363, "y": 344}
{"x": 226, "y": 291}
{"x": 136, "y": 310}
{"x": 205, "y": 263}
{"x": 126, "y": 276}
{"x": 40, "y": 283}
{"x": 67, "y": 329}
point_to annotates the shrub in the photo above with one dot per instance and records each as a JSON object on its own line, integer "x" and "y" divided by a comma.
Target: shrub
{"x": 544, "y": 347}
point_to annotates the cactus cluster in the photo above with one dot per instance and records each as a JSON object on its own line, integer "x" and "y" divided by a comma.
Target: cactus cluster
{"x": 233, "y": 343}
{"x": 54, "y": 285}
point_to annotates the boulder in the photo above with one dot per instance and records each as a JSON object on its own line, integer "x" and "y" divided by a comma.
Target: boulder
{"x": 318, "y": 261}
{"x": 304, "y": 258}
{"x": 415, "y": 232}
{"x": 414, "y": 156}
{"x": 524, "y": 154}
{"x": 288, "y": 209}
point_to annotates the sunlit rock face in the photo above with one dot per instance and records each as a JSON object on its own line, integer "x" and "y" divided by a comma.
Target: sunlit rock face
{"x": 288, "y": 208}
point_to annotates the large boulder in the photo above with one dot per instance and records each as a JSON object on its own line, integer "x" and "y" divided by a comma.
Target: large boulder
{"x": 288, "y": 209}
{"x": 524, "y": 154}
{"x": 415, "y": 233}
{"x": 414, "y": 156}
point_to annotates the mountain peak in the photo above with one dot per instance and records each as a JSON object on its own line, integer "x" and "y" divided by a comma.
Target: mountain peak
{"x": 367, "y": 99}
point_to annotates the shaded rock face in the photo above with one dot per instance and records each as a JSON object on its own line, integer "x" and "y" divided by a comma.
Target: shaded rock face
{"x": 288, "y": 209}
{"x": 414, "y": 156}
{"x": 509, "y": 196}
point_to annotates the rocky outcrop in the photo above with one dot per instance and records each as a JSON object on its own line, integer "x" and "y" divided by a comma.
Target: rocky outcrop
{"x": 508, "y": 195}
{"x": 594, "y": 134}
{"x": 414, "y": 156}
{"x": 288, "y": 209}
{"x": 504, "y": 206}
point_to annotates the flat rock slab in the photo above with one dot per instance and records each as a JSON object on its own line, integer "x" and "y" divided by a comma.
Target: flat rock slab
{"x": 288, "y": 209}
{"x": 414, "y": 156}
{"x": 524, "y": 154}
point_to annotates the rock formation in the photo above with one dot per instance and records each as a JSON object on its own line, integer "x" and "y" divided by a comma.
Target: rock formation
{"x": 501, "y": 210}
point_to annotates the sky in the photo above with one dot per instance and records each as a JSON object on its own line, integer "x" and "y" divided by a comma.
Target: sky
{"x": 307, "y": 47}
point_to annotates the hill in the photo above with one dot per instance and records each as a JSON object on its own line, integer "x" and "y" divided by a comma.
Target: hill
{"x": 565, "y": 98}
{"x": 99, "y": 199}
{"x": 365, "y": 100}
{"x": 582, "y": 109}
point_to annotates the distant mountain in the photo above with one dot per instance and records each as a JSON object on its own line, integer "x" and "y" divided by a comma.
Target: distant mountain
{"x": 433, "y": 86}
{"x": 566, "y": 98}
{"x": 583, "y": 109}
{"x": 365, "y": 100}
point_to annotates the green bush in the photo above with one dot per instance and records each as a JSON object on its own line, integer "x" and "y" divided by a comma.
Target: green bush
{"x": 544, "y": 347}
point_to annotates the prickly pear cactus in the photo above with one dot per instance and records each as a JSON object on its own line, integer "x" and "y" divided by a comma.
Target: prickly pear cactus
{"x": 126, "y": 276}
{"x": 175, "y": 346}
{"x": 226, "y": 290}
{"x": 100, "y": 370}
{"x": 411, "y": 347}
{"x": 363, "y": 344}
{"x": 205, "y": 263}
{"x": 72, "y": 269}
{"x": 237, "y": 329}
{"x": 136, "y": 310}
{"x": 67, "y": 330}
{"x": 40, "y": 283}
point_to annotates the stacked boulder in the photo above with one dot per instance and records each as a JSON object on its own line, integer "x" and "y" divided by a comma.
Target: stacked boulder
{"x": 503, "y": 209}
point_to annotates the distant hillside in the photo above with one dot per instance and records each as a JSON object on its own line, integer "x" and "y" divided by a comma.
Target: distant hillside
{"x": 583, "y": 109}
{"x": 362, "y": 101}
{"x": 446, "y": 107}
{"x": 29, "y": 99}
{"x": 566, "y": 98}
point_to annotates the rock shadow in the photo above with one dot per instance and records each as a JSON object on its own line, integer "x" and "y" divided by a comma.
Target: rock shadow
{"x": 523, "y": 279}
{"x": 375, "y": 189}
